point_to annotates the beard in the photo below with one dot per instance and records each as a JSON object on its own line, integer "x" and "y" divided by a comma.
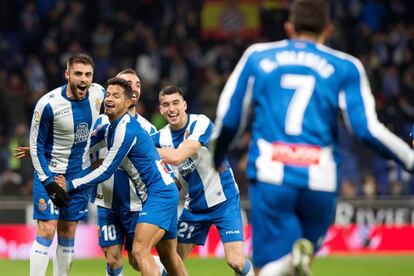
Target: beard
{"x": 74, "y": 89}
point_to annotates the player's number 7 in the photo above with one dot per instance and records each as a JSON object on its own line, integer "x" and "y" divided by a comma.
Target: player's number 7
{"x": 304, "y": 86}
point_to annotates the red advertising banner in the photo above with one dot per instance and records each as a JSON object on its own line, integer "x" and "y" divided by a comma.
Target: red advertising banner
{"x": 16, "y": 241}
{"x": 368, "y": 239}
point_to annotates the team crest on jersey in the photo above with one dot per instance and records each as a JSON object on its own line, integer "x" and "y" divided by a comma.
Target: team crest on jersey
{"x": 98, "y": 104}
{"x": 81, "y": 133}
{"x": 36, "y": 116}
{"x": 42, "y": 205}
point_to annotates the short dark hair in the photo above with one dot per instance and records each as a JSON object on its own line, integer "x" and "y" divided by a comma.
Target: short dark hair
{"x": 124, "y": 84}
{"x": 127, "y": 71}
{"x": 171, "y": 89}
{"x": 80, "y": 58}
{"x": 309, "y": 15}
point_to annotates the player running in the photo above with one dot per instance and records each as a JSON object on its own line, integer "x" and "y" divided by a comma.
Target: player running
{"x": 297, "y": 88}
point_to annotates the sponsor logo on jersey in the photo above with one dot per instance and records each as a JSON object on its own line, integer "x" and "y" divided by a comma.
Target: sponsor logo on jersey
{"x": 81, "y": 133}
{"x": 187, "y": 167}
{"x": 296, "y": 154}
{"x": 231, "y": 232}
{"x": 98, "y": 196}
{"x": 41, "y": 205}
{"x": 62, "y": 112}
{"x": 36, "y": 116}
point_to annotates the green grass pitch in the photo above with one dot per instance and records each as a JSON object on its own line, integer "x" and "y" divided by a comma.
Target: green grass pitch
{"x": 323, "y": 266}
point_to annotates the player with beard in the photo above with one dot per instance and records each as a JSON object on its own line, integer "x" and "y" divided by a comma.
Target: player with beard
{"x": 117, "y": 205}
{"x": 59, "y": 144}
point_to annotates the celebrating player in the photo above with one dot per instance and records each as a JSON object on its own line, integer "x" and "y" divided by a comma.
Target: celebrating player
{"x": 117, "y": 198}
{"x": 211, "y": 197}
{"x": 297, "y": 87}
{"x": 59, "y": 144}
{"x": 131, "y": 147}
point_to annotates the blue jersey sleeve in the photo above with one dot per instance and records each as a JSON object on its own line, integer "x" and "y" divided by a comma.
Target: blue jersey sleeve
{"x": 233, "y": 108}
{"x": 153, "y": 130}
{"x": 40, "y": 139}
{"x": 201, "y": 130}
{"x": 124, "y": 140}
{"x": 98, "y": 135}
{"x": 362, "y": 117}
{"x": 156, "y": 139}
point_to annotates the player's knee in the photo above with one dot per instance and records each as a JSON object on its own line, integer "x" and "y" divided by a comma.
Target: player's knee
{"x": 47, "y": 229}
{"x": 140, "y": 251}
{"x": 236, "y": 261}
{"x": 66, "y": 228}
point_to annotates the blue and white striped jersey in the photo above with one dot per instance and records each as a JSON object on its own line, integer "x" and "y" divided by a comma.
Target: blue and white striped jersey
{"x": 204, "y": 186}
{"x": 60, "y": 132}
{"x": 297, "y": 88}
{"x": 130, "y": 148}
{"x": 119, "y": 191}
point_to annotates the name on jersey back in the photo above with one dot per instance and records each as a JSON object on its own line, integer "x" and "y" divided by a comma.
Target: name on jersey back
{"x": 302, "y": 58}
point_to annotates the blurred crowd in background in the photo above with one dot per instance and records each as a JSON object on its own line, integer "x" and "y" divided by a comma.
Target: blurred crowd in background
{"x": 195, "y": 45}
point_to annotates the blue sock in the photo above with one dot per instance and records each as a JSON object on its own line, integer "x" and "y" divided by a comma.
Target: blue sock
{"x": 113, "y": 272}
{"x": 247, "y": 266}
{"x": 66, "y": 242}
{"x": 43, "y": 241}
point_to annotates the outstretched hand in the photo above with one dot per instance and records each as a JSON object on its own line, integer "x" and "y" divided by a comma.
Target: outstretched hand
{"x": 21, "y": 152}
